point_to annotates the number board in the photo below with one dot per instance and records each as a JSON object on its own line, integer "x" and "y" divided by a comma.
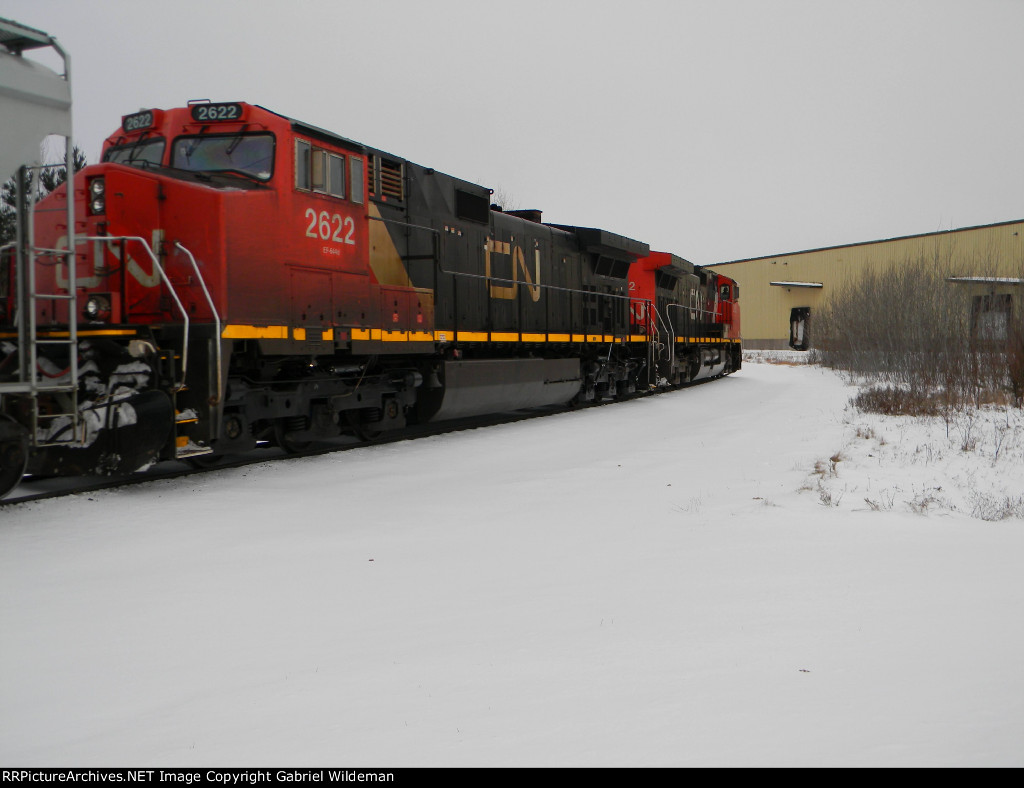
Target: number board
{"x": 138, "y": 121}
{"x": 205, "y": 113}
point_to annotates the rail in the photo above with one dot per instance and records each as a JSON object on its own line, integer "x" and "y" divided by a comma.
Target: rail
{"x": 707, "y": 314}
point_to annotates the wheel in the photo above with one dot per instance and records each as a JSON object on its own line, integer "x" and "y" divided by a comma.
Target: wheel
{"x": 624, "y": 390}
{"x": 290, "y": 445}
{"x": 362, "y": 430}
{"x": 13, "y": 454}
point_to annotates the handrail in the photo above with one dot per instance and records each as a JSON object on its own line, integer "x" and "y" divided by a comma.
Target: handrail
{"x": 502, "y": 280}
{"x": 671, "y": 345}
{"x": 170, "y": 287}
{"x": 707, "y": 314}
{"x": 213, "y": 310}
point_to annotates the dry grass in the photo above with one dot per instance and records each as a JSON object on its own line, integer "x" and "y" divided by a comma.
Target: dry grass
{"x": 892, "y": 401}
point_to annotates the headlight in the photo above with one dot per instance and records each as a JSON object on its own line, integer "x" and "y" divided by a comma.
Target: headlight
{"x": 97, "y": 196}
{"x": 97, "y": 307}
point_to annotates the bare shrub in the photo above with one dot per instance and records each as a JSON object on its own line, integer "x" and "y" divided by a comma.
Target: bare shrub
{"x": 1015, "y": 361}
{"x": 907, "y": 331}
{"x": 828, "y": 467}
{"x": 885, "y": 501}
{"x": 827, "y": 497}
{"x": 892, "y": 401}
{"x": 864, "y": 432}
{"x": 994, "y": 508}
{"x": 924, "y": 499}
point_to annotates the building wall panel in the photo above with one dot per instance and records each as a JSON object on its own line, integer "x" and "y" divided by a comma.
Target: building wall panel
{"x": 995, "y": 250}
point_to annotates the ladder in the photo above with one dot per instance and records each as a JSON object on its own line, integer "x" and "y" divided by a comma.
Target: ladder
{"x": 62, "y": 426}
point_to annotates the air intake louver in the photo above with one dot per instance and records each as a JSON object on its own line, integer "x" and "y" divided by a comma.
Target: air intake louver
{"x": 391, "y": 180}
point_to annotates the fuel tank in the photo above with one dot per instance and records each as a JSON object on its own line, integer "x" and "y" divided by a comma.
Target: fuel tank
{"x": 476, "y": 387}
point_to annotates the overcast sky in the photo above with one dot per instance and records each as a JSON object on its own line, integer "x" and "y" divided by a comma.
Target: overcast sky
{"x": 715, "y": 130}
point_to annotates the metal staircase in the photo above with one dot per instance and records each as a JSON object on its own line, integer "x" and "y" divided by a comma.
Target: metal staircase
{"x": 49, "y": 427}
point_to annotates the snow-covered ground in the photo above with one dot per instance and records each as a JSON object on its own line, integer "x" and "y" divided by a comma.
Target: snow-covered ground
{"x": 746, "y": 572}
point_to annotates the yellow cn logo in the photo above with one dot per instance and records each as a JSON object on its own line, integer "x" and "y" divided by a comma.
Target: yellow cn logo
{"x": 511, "y": 290}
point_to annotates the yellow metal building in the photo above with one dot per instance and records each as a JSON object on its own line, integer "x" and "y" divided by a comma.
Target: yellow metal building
{"x": 777, "y": 292}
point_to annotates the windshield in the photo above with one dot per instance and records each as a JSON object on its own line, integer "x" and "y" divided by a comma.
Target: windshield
{"x": 138, "y": 154}
{"x": 250, "y": 154}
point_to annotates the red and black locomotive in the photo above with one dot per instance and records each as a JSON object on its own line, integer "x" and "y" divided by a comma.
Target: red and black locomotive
{"x": 242, "y": 277}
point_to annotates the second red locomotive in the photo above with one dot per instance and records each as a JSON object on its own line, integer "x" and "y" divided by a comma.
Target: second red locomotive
{"x": 243, "y": 276}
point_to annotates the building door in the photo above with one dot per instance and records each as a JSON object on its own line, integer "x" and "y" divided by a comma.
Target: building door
{"x": 799, "y": 325}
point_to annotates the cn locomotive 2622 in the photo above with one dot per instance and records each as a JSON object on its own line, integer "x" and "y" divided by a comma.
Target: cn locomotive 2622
{"x": 243, "y": 277}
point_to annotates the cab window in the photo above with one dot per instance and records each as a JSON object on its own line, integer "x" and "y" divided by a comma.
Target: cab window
{"x": 321, "y": 171}
{"x": 303, "y": 176}
{"x": 137, "y": 154}
{"x": 245, "y": 154}
{"x": 356, "y": 179}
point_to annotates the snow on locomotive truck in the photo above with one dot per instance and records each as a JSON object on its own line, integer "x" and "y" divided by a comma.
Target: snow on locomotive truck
{"x": 245, "y": 277}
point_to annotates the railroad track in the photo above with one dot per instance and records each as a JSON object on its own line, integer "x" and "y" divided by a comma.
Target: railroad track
{"x": 37, "y": 489}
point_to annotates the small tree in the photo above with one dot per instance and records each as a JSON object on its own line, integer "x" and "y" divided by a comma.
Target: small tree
{"x": 49, "y": 179}
{"x": 505, "y": 199}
